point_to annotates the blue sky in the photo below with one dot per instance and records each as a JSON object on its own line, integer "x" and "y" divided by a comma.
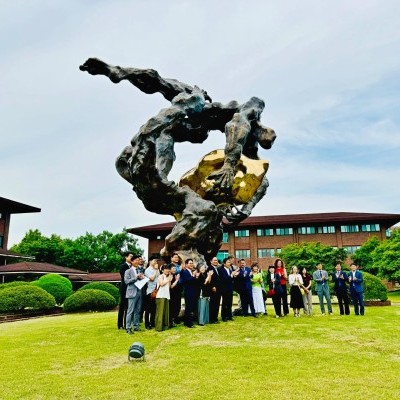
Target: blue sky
{"x": 328, "y": 71}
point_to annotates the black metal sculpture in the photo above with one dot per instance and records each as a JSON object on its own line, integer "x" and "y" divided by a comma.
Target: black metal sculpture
{"x": 192, "y": 115}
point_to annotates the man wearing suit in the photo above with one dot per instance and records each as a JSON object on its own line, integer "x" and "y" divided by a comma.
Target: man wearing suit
{"x": 226, "y": 277}
{"x": 123, "y": 303}
{"x": 133, "y": 294}
{"x": 188, "y": 278}
{"x": 356, "y": 289}
{"x": 215, "y": 297}
{"x": 340, "y": 279}
{"x": 321, "y": 278}
{"x": 244, "y": 289}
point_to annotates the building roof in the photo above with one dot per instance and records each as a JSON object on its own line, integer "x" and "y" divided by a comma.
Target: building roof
{"x": 97, "y": 277}
{"x": 28, "y": 267}
{"x": 333, "y": 218}
{"x": 14, "y": 207}
{"x": 11, "y": 254}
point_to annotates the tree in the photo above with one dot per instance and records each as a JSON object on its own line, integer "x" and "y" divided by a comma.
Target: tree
{"x": 363, "y": 255}
{"x": 93, "y": 253}
{"x": 310, "y": 254}
{"x": 386, "y": 257}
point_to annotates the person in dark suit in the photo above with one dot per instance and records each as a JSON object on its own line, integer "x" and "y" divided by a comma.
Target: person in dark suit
{"x": 215, "y": 296}
{"x": 356, "y": 289}
{"x": 188, "y": 279}
{"x": 123, "y": 303}
{"x": 274, "y": 284}
{"x": 226, "y": 277}
{"x": 340, "y": 280}
{"x": 244, "y": 289}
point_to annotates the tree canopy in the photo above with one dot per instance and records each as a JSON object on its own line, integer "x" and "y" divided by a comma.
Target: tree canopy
{"x": 310, "y": 254}
{"x": 93, "y": 253}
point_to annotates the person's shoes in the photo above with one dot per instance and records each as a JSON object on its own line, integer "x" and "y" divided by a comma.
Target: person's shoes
{"x": 214, "y": 322}
{"x": 254, "y": 315}
{"x": 323, "y": 313}
{"x": 201, "y": 324}
{"x": 331, "y": 313}
{"x": 277, "y": 316}
{"x": 136, "y": 329}
{"x": 189, "y": 326}
{"x": 121, "y": 328}
{"x": 129, "y": 331}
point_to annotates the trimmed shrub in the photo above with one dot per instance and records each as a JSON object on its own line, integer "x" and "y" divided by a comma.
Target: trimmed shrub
{"x": 13, "y": 284}
{"x": 107, "y": 287}
{"x": 27, "y": 296}
{"x": 57, "y": 285}
{"x": 89, "y": 300}
{"x": 374, "y": 289}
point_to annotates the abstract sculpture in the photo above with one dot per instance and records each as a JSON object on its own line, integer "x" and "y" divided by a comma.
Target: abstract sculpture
{"x": 225, "y": 186}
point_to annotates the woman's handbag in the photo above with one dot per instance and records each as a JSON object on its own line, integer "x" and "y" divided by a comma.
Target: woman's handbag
{"x": 270, "y": 293}
{"x": 153, "y": 294}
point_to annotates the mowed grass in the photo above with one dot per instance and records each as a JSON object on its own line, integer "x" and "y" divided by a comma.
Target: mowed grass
{"x": 84, "y": 356}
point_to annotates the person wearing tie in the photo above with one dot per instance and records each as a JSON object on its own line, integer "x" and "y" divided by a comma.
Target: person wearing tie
{"x": 340, "y": 280}
{"x": 356, "y": 289}
{"x": 226, "y": 289}
{"x": 188, "y": 278}
{"x": 215, "y": 296}
{"x": 321, "y": 278}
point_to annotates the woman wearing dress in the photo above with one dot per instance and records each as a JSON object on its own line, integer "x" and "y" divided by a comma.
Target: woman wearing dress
{"x": 296, "y": 297}
{"x": 307, "y": 296}
{"x": 256, "y": 282}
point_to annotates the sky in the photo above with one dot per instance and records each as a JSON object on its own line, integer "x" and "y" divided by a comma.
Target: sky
{"x": 329, "y": 73}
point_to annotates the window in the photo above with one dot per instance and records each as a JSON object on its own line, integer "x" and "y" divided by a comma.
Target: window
{"x": 284, "y": 231}
{"x": 225, "y": 237}
{"x": 349, "y": 228}
{"x": 278, "y": 251}
{"x": 306, "y": 230}
{"x": 242, "y": 254}
{"x": 326, "y": 229}
{"x": 1, "y": 216}
{"x": 351, "y": 249}
{"x": 221, "y": 255}
{"x": 242, "y": 233}
{"x": 388, "y": 233}
{"x": 159, "y": 237}
{"x": 265, "y": 232}
{"x": 263, "y": 253}
{"x": 370, "y": 228}
{"x": 1, "y": 241}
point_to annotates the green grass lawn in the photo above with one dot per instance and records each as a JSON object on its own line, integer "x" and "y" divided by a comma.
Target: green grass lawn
{"x": 83, "y": 356}
{"x": 394, "y": 296}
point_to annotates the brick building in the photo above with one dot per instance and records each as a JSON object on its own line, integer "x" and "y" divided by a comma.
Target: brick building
{"x": 261, "y": 238}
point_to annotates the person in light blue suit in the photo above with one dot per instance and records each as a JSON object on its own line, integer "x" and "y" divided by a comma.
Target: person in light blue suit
{"x": 356, "y": 289}
{"x": 321, "y": 278}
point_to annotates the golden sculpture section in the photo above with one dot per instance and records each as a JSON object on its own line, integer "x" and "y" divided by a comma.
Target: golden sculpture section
{"x": 249, "y": 176}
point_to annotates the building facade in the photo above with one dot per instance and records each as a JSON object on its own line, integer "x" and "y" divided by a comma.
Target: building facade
{"x": 262, "y": 238}
{"x": 8, "y": 207}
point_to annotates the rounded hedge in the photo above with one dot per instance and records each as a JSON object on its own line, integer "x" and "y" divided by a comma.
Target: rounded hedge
{"x": 26, "y": 296}
{"x": 89, "y": 300}
{"x": 57, "y": 285}
{"x": 13, "y": 284}
{"x": 107, "y": 287}
{"x": 374, "y": 289}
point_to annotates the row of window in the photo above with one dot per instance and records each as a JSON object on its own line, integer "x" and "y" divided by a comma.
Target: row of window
{"x": 268, "y": 253}
{"x": 1, "y": 241}
{"x": 307, "y": 230}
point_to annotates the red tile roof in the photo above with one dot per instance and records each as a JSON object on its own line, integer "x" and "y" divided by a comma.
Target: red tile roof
{"x": 37, "y": 268}
{"x": 97, "y": 277}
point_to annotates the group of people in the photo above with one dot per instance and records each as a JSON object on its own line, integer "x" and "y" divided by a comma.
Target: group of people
{"x": 154, "y": 294}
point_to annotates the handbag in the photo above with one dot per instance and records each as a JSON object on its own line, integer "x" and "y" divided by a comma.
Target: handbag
{"x": 270, "y": 293}
{"x": 153, "y": 294}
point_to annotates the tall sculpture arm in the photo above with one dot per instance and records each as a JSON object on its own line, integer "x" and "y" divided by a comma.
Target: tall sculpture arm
{"x": 147, "y": 80}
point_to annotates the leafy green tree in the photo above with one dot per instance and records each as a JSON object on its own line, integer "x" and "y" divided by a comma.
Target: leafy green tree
{"x": 363, "y": 256}
{"x": 310, "y": 254}
{"x": 44, "y": 249}
{"x": 93, "y": 253}
{"x": 386, "y": 257}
